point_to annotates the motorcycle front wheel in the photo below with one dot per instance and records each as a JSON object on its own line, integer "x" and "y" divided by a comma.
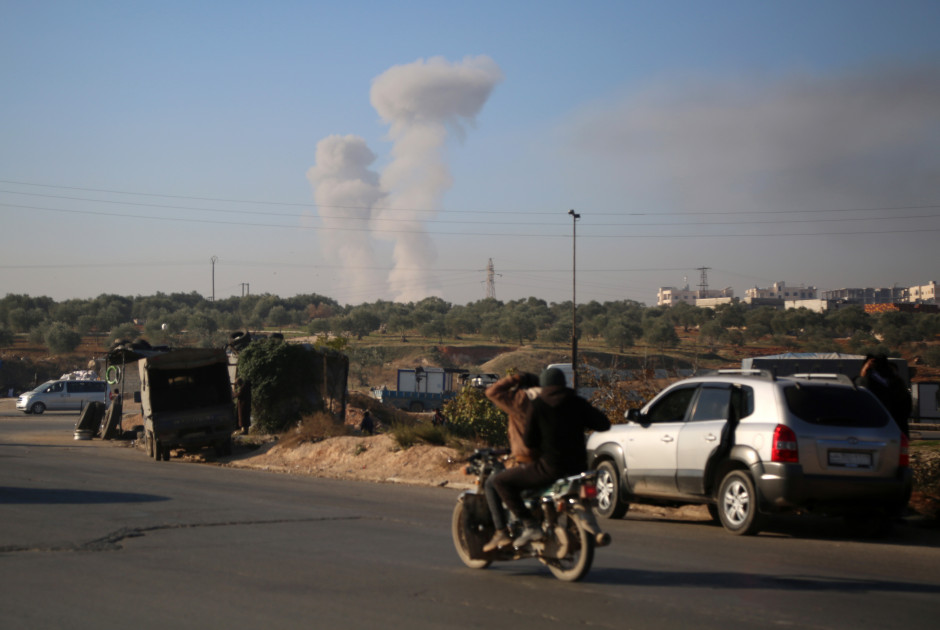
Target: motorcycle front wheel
{"x": 577, "y": 562}
{"x": 461, "y": 531}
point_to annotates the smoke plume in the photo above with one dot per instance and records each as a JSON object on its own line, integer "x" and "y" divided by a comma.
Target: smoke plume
{"x": 422, "y": 102}
{"x": 347, "y": 192}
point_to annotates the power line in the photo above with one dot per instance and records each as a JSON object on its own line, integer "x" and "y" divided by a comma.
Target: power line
{"x": 697, "y": 235}
{"x": 377, "y": 220}
{"x": 448, "y": 211}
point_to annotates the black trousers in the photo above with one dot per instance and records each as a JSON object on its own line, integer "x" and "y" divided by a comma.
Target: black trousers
{"x": 510, "y": 483}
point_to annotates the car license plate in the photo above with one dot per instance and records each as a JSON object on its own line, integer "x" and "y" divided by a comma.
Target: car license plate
{"x": 850, "y": 459}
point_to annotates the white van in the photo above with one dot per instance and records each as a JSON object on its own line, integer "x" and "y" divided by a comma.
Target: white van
{"x": 63, "y": 395}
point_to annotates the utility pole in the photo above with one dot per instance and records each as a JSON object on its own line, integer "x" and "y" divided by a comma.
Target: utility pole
{"x": 213, "y": 261}
{"x": 574, "y": 302}
{"x": 244, "y": 289}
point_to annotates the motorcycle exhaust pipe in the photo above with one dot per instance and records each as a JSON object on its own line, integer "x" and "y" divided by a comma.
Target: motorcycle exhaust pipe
{"x": 602, "y": 539}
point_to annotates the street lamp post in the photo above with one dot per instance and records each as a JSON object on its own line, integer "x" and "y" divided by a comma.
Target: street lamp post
{"x": 213, "y": 260}
{"x": 574, "y": 320}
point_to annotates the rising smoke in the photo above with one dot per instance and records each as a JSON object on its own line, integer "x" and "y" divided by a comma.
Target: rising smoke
{"x": 422, "y": 102}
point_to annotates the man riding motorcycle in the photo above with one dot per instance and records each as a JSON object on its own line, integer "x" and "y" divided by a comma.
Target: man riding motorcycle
{"x": 557, "y": 420}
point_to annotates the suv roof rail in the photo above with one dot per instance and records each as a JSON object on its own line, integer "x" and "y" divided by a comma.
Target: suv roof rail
{"x": 746, "y": 372}
{"x": 825, "y": 376}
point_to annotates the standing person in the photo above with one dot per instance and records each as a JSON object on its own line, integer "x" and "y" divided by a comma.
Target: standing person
{"x": 557, "y": 421}
{"x": 367, "y": 426}
{"x": 243, "y": 404}
{"x": 513, "y": 395}
{"x": 881, "y": 378}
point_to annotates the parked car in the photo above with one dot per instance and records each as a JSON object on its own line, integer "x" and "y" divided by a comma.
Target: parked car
{"x": 68, "y": 395}
{"x": 747, "y": 444}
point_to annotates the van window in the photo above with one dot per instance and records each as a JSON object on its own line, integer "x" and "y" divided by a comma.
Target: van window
{"x": 56, "y": 387}
{"x": 85, "y": 387}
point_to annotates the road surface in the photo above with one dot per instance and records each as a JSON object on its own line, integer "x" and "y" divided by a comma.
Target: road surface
{"x": 95, "y": 535}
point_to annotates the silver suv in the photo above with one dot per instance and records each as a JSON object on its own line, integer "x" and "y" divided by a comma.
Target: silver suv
{"x": 747, "y": 444}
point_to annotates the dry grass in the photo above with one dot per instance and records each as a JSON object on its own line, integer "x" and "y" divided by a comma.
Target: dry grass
{"x": 313, "y": 428}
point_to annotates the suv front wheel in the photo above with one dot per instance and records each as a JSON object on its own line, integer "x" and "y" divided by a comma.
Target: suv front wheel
{"x": 737, "y": 504}
{"x": 609, "y": 502}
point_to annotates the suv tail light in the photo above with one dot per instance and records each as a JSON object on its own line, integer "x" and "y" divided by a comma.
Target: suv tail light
{"x": 904, "y": 460}
{"x": 784, "y": 447}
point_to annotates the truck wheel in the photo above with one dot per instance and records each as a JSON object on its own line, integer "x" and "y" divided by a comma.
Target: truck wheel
{"x": 416, "y": 407}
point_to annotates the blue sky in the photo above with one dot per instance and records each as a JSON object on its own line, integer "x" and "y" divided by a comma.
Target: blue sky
{"x": 768, "y": 141}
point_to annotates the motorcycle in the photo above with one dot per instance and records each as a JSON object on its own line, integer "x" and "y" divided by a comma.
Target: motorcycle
{"x": 563, "y": 509}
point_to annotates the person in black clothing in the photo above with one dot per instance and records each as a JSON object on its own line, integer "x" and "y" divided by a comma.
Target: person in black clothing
{"x": 243, "y": 404}
{"x": 556, "y": 426}
{"x": 367, "y": 426}
{"x": 881, "y": 378}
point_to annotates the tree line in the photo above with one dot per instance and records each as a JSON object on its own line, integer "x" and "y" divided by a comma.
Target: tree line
{"x": 189, "y": 318}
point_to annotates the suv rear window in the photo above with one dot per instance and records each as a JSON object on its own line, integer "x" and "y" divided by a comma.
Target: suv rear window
{"x": 835, "y": 406}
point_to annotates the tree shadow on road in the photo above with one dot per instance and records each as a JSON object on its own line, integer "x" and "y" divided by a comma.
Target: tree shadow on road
{"x": 61, "y": 496}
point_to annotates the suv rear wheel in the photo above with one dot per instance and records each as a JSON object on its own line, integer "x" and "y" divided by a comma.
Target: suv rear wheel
{"x": 737, "y": 504}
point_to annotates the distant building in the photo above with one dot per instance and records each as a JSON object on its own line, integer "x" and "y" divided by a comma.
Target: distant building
{"x": 890, "y": 295}
{"x": 923, "y": 294}
{"x": 781, "y": 291}
{"x": 670, "y": 296}
{"x": 815, "y": 305}
{"x": 712, "y": 302}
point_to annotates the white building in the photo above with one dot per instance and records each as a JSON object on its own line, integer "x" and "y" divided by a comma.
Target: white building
{"x": 670, "y": 296}
{"x": 780, "y": 291}
{"x": 923, "y": 294}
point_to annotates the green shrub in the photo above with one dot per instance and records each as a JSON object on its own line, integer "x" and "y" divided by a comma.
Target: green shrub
{"x": 61, "y": 339}
{"x": 931, "y": 356}
{"x": 279, "y": 374}
{"x": 472, "y": 415}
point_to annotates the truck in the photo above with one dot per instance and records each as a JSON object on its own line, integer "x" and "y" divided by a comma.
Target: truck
{"x": 186, "y": 401}
{"x": 421, "y": 389}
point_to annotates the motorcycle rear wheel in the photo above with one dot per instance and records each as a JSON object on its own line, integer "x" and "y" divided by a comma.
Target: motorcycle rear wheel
{"x": 460, "y": 530}
{"x": 577, "y": 562}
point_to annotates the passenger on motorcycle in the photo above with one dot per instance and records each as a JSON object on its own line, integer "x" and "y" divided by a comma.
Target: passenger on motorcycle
{"x": 511, "y": 394}
{"x": 557, "y": 420}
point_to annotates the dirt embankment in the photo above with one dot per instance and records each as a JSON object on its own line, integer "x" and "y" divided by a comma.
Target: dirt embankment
{"x": 364, "y": 458}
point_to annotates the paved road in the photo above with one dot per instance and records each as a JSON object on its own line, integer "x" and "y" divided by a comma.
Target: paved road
{"x": 96, "y": 535}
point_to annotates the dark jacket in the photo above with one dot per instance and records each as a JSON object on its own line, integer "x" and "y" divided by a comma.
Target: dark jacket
{"x": 891, "y": 391}
{"x": 558, "y": 420}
